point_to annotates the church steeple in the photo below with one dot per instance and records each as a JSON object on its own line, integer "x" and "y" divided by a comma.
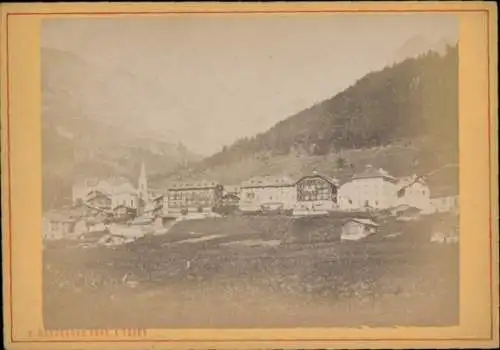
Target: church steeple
{"x": 143, "y": 183}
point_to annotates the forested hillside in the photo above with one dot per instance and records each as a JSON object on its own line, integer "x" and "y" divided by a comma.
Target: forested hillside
{"x": 416, "y": 99}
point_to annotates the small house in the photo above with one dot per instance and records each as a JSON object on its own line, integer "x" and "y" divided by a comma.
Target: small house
{"x": 355, "y": 229}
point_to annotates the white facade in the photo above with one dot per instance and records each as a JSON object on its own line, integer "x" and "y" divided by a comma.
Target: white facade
{"x": 374, "y": 192}
{"x": 252, "y": 198}
{"x": 414, "y": 194}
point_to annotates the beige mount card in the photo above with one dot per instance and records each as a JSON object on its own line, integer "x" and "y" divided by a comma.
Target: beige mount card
{"x": 285, "y": 175}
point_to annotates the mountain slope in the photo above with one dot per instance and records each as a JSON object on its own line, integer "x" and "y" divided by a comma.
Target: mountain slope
{"x": 78, "y": 143}
{"x": 411, "y": 106}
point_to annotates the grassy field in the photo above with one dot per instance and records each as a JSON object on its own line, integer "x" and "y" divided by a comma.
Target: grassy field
{"x": 190, "y": 277}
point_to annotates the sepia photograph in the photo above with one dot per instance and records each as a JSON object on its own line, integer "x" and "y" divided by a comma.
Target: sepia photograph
{"x": 250, "y": 171}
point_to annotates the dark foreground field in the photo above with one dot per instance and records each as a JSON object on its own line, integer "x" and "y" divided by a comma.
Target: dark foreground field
{"x": 162, "y": 282}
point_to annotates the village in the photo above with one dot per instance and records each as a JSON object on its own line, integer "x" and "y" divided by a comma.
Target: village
{"x": 113, "y": 211}
{"x": 367, "y": 238}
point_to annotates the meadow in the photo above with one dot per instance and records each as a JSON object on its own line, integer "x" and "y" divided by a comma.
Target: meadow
{"x": 246, "y": 272}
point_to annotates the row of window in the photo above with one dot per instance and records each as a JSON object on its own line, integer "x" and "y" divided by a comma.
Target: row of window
{"x": 188, "y": 202}
{"x": 193, "y": 196}
{"x": 321, "y": 196}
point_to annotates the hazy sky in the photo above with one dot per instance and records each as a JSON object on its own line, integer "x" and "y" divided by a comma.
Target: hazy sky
{"x": 207, "y": 80}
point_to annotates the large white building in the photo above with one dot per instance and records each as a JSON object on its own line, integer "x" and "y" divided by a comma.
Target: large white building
{"x": 273, "y": 192}
{"x": 370, "y": 189}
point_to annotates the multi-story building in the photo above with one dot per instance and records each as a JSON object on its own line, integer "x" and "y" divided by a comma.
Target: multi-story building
{"x": 316, "y": 194}
{"x": 413, "y": 192}
{"x": 371, "y": 189}
{"x": 199, "y": 197}
{"x": 268, "y": 193}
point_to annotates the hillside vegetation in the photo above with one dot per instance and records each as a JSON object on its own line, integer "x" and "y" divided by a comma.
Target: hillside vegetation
{"x": 403, "y": 118}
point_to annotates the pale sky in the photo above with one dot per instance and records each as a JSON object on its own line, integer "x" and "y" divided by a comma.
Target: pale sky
{"x": 207, "y": 80}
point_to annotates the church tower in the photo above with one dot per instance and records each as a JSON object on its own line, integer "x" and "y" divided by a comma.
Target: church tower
{"x": 143, "y": 184}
